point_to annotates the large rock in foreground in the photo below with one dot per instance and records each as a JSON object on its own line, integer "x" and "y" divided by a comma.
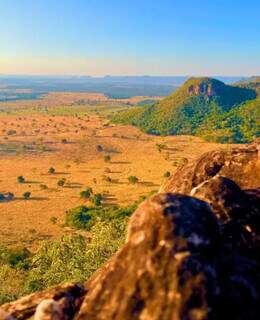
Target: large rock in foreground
{"x": 192, "y": 253}
{"x": 240, "y": 164}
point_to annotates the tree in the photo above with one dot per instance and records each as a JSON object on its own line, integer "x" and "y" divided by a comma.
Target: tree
{"x": 96, "y": 199}
{"x": 107, "y": 158}
{"x": 167, "y": 174}
{"x": 61, "y": 182}
{"x": 27, "y": 195}
{"x": 99, "y": 148}
{"x": 85, "y": 194}
{"x": 133, "y": 179}
{"x": 51, "y": 170}
{"x": 20, "y": 179}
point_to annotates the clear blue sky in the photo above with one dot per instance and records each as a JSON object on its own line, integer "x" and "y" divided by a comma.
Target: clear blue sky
{"x": 164, "y": 37}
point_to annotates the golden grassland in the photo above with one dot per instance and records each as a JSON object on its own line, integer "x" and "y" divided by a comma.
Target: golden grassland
{"x": 31, "y": 144}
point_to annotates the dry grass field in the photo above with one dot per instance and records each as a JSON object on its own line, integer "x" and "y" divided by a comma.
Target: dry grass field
{"x": 75, "y": 146}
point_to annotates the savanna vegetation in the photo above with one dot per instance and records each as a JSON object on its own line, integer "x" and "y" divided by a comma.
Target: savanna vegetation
{"x": 72, "y": 258}
{"x": 203, "y": 107}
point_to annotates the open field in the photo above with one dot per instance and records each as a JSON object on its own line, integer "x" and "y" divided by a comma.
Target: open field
{"x": 75, "y": 145}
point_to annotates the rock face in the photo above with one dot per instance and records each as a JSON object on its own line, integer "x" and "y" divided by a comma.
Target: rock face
{"x": 192, "y": 253}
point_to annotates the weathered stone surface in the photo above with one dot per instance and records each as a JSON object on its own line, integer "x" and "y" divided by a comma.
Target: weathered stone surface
{"x": 165, "y": 266}
{"x": 175, "y": 265}
{"x": 68, "y": 297}
{"x": 240, "y": 164}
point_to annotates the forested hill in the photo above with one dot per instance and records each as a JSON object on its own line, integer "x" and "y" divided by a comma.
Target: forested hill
{"x": 204, "y": 107}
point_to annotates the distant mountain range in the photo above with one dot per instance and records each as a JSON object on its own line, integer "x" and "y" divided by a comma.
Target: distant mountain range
{"x": 204, "y": 107}
{"x": 112, "y": 86}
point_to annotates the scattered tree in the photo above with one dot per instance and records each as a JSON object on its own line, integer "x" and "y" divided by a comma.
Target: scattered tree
{"x": 85, "y": 194}
{"x": 107, "y": 158}
{"x": 61, "y": 182}
{"x": 133, "y": 179}
{"x": 27, "y": 195}
{"x": 51, "y": 170}
{"x": 20, "y": 179}
{"x": 53, "y": 220}
{"x": 96, "y": 199}
{"x": 167, "y": 174}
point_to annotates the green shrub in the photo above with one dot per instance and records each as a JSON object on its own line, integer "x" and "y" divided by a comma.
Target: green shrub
{"x": 96, "y": 199}
{"x": 51, "y": 170}
{"x": 13, "y": 256}
{"x": 53, "y": 220}
{"x": 27, "y": 195}
{"x": 79, "y": 218}
{"x": 133, "y": 179}
{"x": 167, "y": 174}
{"x": 61, "y": 182}
{"x": 107, "y": 158}
{"x": 20, "y": 179}
{"x": 85, "y": 194}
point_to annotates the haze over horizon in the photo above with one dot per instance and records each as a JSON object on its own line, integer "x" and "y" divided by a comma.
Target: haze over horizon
{"x": 98, "y": 38}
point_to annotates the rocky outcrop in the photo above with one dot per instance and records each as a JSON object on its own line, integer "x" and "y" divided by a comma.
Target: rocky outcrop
{"x": 240, "y": 164}
{"x": 192, "y": 253}
{"x": 61, "y": 302}
{"x": 202, "y": 89}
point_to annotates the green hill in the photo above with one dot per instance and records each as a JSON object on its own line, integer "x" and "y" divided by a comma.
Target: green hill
{"x": 202, "y": 106}
{"x": 250, "y": 83}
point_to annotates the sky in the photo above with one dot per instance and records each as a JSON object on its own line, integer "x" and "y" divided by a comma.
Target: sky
{"x": 130, "y": 37}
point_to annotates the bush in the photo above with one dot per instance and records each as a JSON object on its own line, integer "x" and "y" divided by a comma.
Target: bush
{"x": 53, "y": 220}
{"x": 51, "y": 170}
{"x": 133, "y": 179}
{"x": 61, "y": 182}
{"x": 99, "y": 148}
{"x": 79, "y": 218}
{"x": 11, "y": 132}
{"x": 167, "y": 174}
{"x": 43, "y": 186}
{"x": 27, "y": 195}
{"x": 86, "y": 193}
{"x": 107, "y": 158}
{"x": 107, "y": 179}
{"x": 96, "y": 199}
{"x": 20, "y": 179}
{"x": 13, "y": 256}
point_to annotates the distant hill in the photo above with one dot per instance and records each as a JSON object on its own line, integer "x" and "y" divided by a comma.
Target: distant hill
{"x": 251, "y": 83}
{"x": 112, "y": 86}
{"x": 202, "y": 106}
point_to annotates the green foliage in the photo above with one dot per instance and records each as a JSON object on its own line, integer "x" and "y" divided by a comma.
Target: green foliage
{"x": 132, "y": 179}
{"x": 27, "y": 195}
{"x": 85, "y": 194}
{"x": 51, "y": 170}
{"x": 79, "y": 218}
{"x": 96, "y": 199}
{"x": 13, "y": 256}
{"x": 20, "y": 179}
{"x": 73, "y": 258}
{"x": 53, "y": 220}
{"x": 61, "y": 182}
{"x": 228, "y": 114}
{"x": 167, "y": 174}
{"x": 107, "y": 158}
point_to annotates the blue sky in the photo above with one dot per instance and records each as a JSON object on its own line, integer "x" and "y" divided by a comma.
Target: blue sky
{"x": 162, "y": 37}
